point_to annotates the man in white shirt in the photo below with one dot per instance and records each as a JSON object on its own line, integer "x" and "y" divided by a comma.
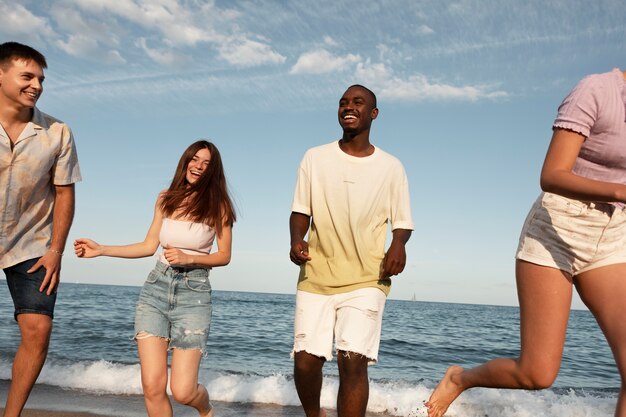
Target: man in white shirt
{"x": 347, "y": 193}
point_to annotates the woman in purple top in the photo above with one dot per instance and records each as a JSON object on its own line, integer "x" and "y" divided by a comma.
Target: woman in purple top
{"x": 574, "y": 235}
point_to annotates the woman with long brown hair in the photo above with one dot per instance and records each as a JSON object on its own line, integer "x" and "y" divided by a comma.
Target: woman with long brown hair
{"x": 174, "y": 307}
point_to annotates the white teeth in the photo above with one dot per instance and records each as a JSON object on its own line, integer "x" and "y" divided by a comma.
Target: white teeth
{"x": 349, "y": 116}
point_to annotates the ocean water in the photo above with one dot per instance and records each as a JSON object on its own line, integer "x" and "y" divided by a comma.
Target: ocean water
{"x": 248, "y": 360}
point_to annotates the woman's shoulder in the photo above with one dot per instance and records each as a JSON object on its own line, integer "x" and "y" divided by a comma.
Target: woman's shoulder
{"x": 601, "y": 82}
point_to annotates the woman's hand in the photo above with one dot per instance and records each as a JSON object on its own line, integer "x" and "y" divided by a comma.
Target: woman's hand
{"x": 176, "y": 256}
{"x": 87, "y": 248}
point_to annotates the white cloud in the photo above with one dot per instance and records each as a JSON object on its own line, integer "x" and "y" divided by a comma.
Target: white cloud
{"x": 89, "y": 37}
{"x": 167, "y": 57}
{"x": 373, "y": 73}
{"x": 321, "y": 61}
{"x": 418, "y": 87}
{"x": 89, "y": 48}
{"x": 15, "y": 20}
{"x": 329, "y": 41}
{"x": 425, "y": 30}
{"x": 114, "y": 57}
{"x": 79, "y": 45}
{"x": 179, "y": 25}
{"x": 247, "y": 53}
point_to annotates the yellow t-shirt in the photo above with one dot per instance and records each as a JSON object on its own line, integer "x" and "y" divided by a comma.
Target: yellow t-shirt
{"x": 351, "y": 201}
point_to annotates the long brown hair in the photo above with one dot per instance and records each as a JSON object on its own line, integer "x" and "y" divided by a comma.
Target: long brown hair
{"x": 205, "y": 201}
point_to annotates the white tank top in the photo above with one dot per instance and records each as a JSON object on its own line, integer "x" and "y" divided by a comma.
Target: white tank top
{"x": 192, "y": 238}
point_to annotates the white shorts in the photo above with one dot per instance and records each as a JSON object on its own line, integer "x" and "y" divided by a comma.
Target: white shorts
{"x": 354, "y": 319}
{"x": 573, "y": 236}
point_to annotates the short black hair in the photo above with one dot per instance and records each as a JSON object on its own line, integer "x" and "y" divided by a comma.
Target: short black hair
{"x": 366, "y": 89}
{"x": 13, "y": 50}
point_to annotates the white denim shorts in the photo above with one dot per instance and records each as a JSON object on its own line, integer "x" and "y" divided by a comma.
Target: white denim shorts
{"x": 354, "y": 319}
{"x": 573, "y": 236}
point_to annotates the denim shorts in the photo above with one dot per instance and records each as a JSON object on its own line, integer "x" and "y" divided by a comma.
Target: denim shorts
{"x": 573, "y": 236}
{"x": 24, "y": 288}
{"x": 175, "y": 304}
{"x": 353, "y": 319}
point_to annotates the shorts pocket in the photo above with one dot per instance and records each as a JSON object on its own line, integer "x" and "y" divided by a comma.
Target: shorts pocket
{"x": 153, "y": 277}
{"x": 198, "y": 284}
{"x": 563, "y": 205}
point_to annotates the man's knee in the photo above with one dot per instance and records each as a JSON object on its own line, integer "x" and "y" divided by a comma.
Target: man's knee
{"x": 351, "y": 364}
{"x": 35, "y": 328}
{"x": 304, "y": 359}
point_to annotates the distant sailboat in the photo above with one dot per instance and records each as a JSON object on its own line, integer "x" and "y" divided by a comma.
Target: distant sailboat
{"x": 413, "y": 298}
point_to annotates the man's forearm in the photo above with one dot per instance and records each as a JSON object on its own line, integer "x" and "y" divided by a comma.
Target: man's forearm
{"x": 62, "y": 216}
{"x": 298, "y": 226}
{"x": 401, "y": 235}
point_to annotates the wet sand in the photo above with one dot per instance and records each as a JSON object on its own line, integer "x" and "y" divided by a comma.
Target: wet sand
{"x": 51, "y": 401}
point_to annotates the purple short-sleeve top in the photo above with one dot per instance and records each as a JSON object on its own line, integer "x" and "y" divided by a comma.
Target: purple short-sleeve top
{"x": 596, "y": 108}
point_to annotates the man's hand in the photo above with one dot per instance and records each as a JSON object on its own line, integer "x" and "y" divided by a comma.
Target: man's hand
{"x": 51, "y": 262}
{"x": 298, "y": 227}
{"x": 299, "y": 253}
{"x": 395, "y": 258}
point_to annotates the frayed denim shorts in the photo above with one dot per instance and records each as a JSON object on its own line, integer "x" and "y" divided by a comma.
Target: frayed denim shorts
{"x": 175, "y": 304}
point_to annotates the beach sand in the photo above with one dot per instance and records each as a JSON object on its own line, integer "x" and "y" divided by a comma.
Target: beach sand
{"x": 50, "y": 401}
{"x": 46, "y": 413}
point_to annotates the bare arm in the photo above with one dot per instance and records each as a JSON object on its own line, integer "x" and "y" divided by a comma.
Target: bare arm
{"x": 87, "y": 248}
{"x": 395, "y": 258}
{"x": 219, "y": 258}
{"x": 298, "y": 227}
{"x": 62, "y": 216}
{"x": 557, "y": 176}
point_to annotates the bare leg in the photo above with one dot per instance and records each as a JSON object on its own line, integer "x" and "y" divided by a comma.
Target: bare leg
{"x": 603, "y": 291}
{"x": 545, "y": 296}
{"x": 184, "y": 383}
{"x": 153, "y": 360}
{"x": 307, "y": 375}
{"x": 35, "y": 332}
{"x": 353, "y": 384}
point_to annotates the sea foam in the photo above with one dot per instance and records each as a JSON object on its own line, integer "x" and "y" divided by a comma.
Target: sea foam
{"x": 396, "y": 398}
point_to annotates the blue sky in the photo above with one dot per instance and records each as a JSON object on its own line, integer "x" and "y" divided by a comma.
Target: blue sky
{"x": 467, "y": 93}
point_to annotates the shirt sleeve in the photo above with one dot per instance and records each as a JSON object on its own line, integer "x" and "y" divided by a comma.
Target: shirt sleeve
{"x": 302, "y": 194}
{"x": 66, "y": 169}
{"x": 579, "y": 110}
{"x": 401, "y": 203}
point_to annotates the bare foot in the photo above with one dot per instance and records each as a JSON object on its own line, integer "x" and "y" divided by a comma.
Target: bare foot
{"x": 322, "y": 412}
{"x": 445, "y": 392}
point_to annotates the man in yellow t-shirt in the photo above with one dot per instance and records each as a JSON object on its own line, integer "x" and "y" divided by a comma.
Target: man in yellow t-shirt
{"x": 347, "y": 193}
